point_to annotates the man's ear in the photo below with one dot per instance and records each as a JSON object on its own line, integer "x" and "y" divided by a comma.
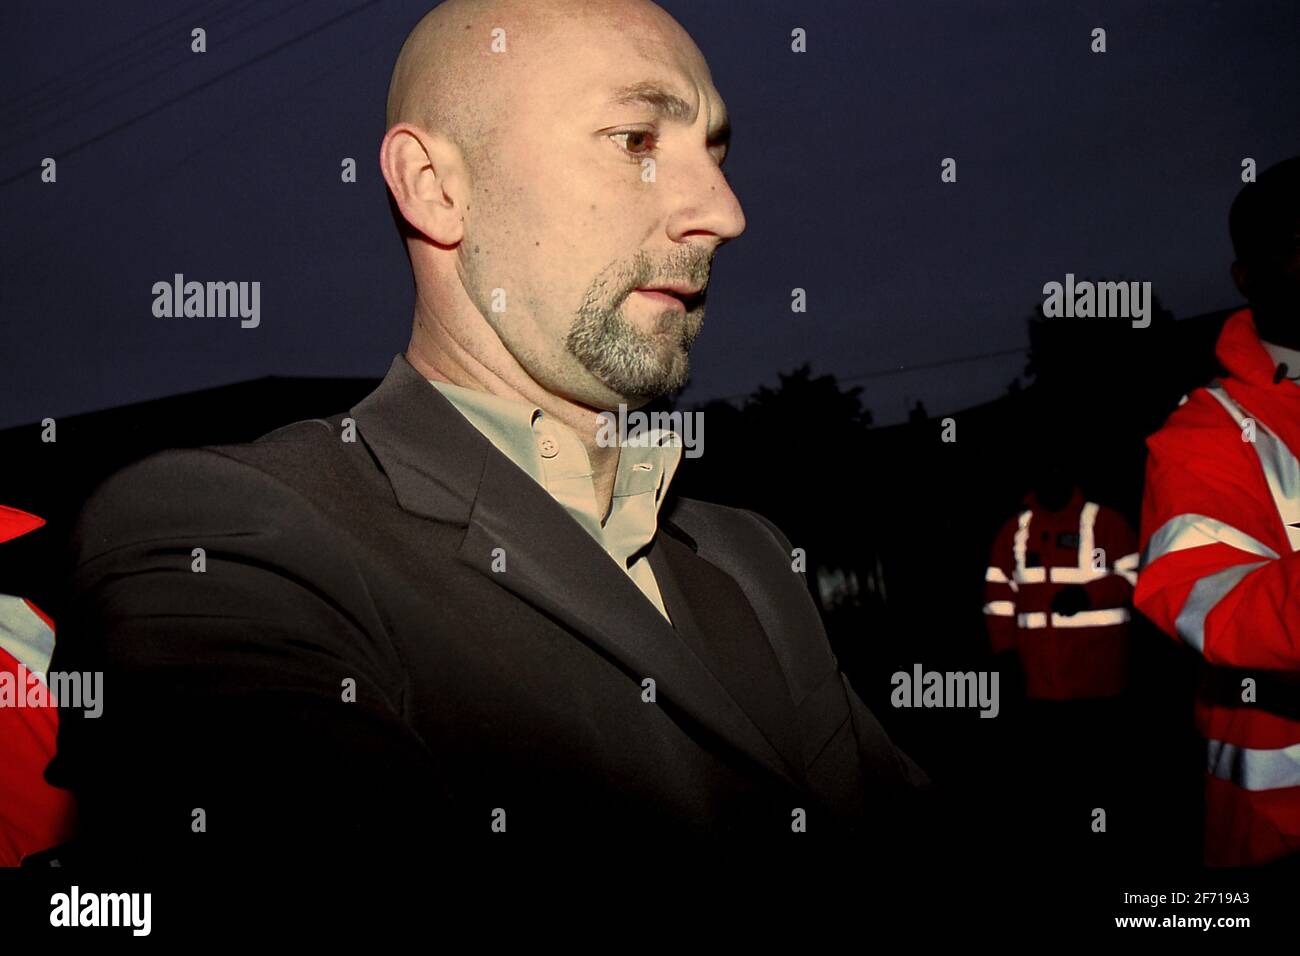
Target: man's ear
{"x": 1239, "y": 276}
{"x": 426, "y": 176}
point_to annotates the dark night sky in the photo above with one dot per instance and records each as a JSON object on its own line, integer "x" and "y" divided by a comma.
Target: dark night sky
{"x": 225, "y": 166}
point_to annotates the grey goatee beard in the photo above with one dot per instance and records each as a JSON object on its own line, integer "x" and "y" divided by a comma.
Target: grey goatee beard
{"x": 632, "y": 363}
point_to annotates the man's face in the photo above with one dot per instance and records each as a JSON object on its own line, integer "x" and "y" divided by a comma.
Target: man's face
{"x": 569, "y": 219}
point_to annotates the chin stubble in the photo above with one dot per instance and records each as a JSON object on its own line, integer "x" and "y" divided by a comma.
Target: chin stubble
{"x": 633, "y": 363}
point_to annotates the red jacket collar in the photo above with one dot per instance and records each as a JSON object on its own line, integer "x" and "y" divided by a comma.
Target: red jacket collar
{"x": 1240, "y": 352}
{"x": 1250, "y": 379}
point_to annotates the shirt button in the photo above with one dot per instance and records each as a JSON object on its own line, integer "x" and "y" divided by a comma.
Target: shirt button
{"x": 548, "y": 446}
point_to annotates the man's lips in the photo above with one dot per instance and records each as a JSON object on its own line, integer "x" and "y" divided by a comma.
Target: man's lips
{"x": 664, "y": 299}
{"x": 672, "y": 298}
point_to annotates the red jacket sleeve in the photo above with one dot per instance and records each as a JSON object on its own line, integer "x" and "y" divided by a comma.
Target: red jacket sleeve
{"x": 1000, "y": 592}
{"x": 34, "y": 816}
{"x": 1216, "y": 570}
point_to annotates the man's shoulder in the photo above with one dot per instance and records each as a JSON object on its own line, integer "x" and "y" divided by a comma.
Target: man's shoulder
{"x": 1201, "y": 462}
{"x": 227, "y": 487}
{"x": 1199, "y": 427}
{"x": 297, "y": 446}
{"x": 301, "y": 447}
{"x": 1200, "y": 409}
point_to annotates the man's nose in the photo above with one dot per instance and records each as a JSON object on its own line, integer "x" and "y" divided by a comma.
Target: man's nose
{"x": 706, "y": 206}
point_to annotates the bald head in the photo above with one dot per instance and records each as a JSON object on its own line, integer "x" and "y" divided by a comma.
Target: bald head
{"x": 456, "y": 70}
{"x": 551, "y": 159}
{"x": 446, "y": 79}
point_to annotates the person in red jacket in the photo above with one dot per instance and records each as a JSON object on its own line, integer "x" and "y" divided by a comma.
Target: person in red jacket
{"x": 33, "y": 815}
{"x": 1057, "y": 591}
{"x": 1221, "y": 534}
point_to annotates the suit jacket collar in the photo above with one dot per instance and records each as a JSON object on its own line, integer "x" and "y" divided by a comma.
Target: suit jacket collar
{"x": 440, "y": 467}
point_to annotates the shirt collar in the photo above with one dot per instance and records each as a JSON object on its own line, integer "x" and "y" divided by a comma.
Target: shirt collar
{"x": 551, "y": 453}
{"x": 507, "y": 424}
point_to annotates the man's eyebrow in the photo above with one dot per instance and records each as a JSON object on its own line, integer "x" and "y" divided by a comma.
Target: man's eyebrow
{"x": 664, "y": 101}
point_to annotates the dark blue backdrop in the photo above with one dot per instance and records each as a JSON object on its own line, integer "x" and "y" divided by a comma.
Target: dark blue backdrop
{"x": 226, "y": 166}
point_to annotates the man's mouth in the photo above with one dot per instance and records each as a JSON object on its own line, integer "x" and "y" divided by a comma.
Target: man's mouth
{"x": 681, "y": 298}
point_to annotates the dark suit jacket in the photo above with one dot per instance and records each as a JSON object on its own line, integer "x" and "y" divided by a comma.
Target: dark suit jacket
{"x": 354, "y": 668}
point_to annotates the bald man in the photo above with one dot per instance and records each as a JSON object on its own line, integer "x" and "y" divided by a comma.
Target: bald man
{"x": 456, "y": 613}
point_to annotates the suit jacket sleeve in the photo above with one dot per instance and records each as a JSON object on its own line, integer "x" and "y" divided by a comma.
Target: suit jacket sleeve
{"x": 252, "y": 706}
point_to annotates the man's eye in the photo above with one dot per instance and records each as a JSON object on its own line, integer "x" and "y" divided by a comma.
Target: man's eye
{"x": 637, "y": 142}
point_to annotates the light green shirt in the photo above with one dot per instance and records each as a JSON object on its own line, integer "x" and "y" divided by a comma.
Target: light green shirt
{"x": 552, "y": 455}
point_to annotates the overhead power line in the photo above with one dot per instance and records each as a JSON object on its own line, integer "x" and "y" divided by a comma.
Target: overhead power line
{"x": 52, "y": 89}
{"x": 183, "y": 58}
{"x": 197, "y": 88}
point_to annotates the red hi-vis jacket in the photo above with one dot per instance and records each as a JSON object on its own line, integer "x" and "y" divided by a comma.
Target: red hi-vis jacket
{"x": 33, "y": 815}
{"x": 1035, "y": 555}
{"x": 1220, "y": 570}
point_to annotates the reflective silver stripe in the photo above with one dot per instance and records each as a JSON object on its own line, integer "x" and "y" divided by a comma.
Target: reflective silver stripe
{"x": 24, "y": 634}
{"x": 1083, "y": 572}
{"x": 1281, "y": 470}
{"x": 1018, "y": 546}
{"x": 1075, "y": 575}
{"x": 995, "y": 576}
{"x": 1087, "y": 536}
{"x": 1253, "y": 769}
{"x": 1103, "y": 618}
{"x": 1000, "y": 608}
{"x": 1205, "y": 594}
{"x": 1182, "y": 532}
{"x": 1127, "y": 566}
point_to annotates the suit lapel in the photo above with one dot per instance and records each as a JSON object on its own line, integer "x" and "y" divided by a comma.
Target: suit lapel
{"x": 441, "y": 467}
{"x": 706, "y": 616}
